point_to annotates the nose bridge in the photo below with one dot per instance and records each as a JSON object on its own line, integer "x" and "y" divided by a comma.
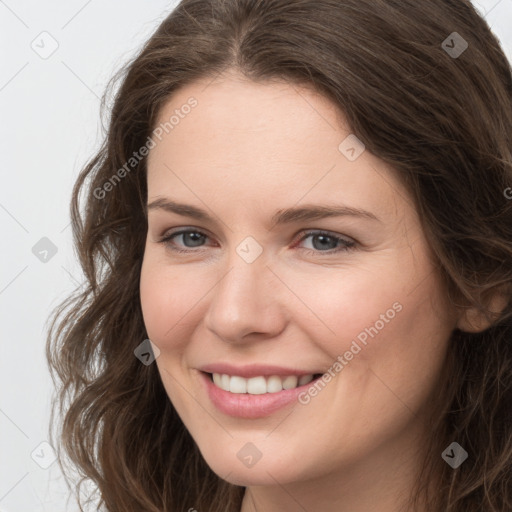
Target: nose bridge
{"x": 244, "y": 300}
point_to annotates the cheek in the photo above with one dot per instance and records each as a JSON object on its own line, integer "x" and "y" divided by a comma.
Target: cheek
{"x": 393, "y": 318}
{"x": 166, "y": 300}
{"x": 347, "y": 304}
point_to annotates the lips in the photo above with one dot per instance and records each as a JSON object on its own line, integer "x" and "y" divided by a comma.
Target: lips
{"x": 256, "y": 401}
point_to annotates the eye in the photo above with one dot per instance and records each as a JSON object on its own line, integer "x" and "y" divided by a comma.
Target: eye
{"x": 322, "y": 241}
{"x": 326, "y": 242}
{"x": 190, "y": 237}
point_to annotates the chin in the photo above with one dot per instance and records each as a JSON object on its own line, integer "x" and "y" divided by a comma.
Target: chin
{"x": 266, "y": 471}
{"x": 250, "y": 476}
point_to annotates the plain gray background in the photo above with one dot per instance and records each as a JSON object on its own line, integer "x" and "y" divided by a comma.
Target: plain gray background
{"x": 49, "y": 108}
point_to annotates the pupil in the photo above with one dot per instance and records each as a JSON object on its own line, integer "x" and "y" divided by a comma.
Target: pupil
{"x": 325, "y": 242}
{"x": 194, "y": 237}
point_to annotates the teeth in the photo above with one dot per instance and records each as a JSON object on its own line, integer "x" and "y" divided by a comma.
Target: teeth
{"x": 259, "y": 385}
{"x": 290, "y": 382}
{"x": 274, "y": 384}
{"x": 237, "y": 385}
{"x": 217, "y": 380}
{"x": 224, "y": 382}
{"x": 305, "y": 379}
{"x": 255, "y": 386}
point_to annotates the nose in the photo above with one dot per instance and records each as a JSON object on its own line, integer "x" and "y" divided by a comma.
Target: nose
{"x": 245, "y": 304}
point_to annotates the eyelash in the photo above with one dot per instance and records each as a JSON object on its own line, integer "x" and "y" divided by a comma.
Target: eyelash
{"x": 348, "y": 245}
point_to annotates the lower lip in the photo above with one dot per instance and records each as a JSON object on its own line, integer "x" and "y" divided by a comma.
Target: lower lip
{"x": 245, "y": 405}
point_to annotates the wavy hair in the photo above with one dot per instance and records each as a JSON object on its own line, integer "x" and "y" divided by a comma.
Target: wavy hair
{"x": 444, "y": 123}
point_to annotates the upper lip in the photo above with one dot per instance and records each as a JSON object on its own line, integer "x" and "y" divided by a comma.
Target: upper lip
{"x": 253, "y": 370}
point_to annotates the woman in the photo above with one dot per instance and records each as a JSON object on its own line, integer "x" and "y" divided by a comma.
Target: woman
{"x": 303, "y": 205}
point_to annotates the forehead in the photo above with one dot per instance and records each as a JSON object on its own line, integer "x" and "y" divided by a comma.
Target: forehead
{"x": 242, "y": 117}
{"x": 263, "y": 142}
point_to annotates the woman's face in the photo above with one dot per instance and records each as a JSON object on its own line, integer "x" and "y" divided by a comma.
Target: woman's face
{"x": 295, "y": 253}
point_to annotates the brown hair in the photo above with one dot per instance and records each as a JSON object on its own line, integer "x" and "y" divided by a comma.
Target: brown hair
{"x": 443, "y": 121}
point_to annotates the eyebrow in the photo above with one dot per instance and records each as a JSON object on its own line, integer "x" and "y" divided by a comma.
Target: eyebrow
{"x": 285, "y": 216}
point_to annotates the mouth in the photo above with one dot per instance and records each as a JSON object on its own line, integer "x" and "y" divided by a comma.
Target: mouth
{"x": 261, "y": 384}
{"x": 254, "y": 397}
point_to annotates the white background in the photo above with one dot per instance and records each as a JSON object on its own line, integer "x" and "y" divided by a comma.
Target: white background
{"x": 50, "y": 126}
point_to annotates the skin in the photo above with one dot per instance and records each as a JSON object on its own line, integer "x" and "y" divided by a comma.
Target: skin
{"x": 244, "y": 152}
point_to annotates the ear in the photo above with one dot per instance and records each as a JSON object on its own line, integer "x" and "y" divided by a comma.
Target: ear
{"x": 473, "y": 320}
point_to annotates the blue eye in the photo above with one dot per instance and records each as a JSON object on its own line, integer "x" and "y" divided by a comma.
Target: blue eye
{"x": 323, "y": 242}
{"x": 194, "y": 240}
{"x": 326, "y": 240}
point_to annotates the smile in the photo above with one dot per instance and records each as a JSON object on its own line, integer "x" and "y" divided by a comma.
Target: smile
{"x": 259, "y": 385}
{"x": 254, "y": 396}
